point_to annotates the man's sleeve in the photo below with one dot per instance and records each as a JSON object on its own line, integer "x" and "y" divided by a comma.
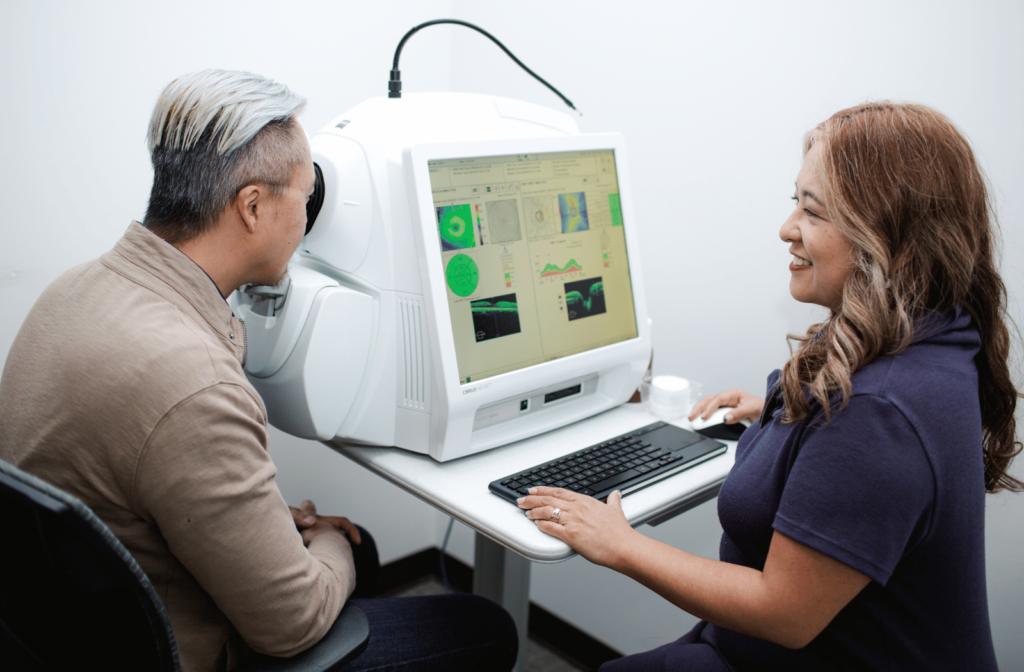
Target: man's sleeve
{"x": 206, "y": 480}
{"x": 861, "y": 488}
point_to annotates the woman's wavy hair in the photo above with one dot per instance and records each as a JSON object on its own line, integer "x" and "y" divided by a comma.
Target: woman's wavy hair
{"x": 905, "y": 190}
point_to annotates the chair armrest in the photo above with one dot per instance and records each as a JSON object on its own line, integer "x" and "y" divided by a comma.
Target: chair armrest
{"x": 344, "y": 641}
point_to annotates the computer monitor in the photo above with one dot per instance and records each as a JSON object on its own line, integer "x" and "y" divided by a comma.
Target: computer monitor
{"x": 472, "y": 279}
{"x": 534, "y": 255}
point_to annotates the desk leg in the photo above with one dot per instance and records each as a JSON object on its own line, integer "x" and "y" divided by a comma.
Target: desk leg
{"x": 503, "y": 576}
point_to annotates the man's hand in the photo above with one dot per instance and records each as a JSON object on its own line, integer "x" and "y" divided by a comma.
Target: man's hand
{"x": 306, "y": 518}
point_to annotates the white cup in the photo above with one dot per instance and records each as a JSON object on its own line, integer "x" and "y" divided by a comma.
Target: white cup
{"x": 669, "y": 397}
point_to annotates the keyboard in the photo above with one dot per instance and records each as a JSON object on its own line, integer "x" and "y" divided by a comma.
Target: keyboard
{"x": 627, "y": 463}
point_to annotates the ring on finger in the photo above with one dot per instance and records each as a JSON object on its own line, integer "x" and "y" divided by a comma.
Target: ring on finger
{"x": 555, "y": 515}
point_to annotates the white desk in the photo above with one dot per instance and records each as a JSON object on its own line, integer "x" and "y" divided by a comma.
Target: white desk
{"x": 506, "y": 541}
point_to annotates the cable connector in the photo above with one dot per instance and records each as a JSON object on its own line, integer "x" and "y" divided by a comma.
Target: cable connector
{"x": 395, "y": 85}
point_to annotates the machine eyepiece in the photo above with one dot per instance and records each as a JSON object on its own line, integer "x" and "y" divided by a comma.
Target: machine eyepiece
{"x": 316, "y": 201}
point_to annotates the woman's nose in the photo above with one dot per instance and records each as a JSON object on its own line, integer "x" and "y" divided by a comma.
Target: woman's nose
{"x": 789, "y": 232}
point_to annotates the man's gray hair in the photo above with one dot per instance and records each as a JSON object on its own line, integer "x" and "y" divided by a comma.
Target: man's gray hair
{"x": 211, "y": 134}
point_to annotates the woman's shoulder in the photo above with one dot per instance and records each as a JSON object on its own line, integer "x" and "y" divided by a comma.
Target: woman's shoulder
{"x": 940, "y": 361}
{"x": 932, "y": 386}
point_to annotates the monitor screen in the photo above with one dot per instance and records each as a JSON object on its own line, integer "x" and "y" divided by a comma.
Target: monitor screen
{"x": 534, "y": 257}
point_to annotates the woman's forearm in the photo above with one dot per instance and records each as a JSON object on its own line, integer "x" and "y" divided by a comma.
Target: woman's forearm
{"x": 727, "y": 595}
{"x": 798, "y": 592}
{"x": 789, "y": 603}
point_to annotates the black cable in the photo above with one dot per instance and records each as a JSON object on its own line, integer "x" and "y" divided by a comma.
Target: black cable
{"x": 395, "y": 84}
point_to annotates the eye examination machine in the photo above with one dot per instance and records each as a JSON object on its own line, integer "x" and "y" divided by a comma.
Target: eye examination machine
{"x": 469, "y": 277}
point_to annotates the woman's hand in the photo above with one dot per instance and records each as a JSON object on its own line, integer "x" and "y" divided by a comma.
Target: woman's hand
{"x": 599, "y": 532}
{"x": 745, "y": 406}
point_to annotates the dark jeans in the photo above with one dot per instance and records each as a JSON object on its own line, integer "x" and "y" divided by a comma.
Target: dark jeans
{"x": 435, "y": 632}
{"x": 689, "y": 653}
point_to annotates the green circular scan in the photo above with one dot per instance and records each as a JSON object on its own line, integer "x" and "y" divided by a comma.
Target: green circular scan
{"x": 462, "y": 275}
{"x": 456, "y": 227}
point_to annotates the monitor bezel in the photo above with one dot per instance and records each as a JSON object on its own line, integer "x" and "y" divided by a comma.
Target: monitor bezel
{"x": 469, "y": 396}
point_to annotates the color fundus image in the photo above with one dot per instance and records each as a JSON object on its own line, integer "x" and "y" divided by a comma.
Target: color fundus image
{"x": 573, "y": 208}
{"x": 455, "y": 222}
{"x": 541, "y": 216}
{"x": 584, "y": 298}
{"x": 495, "y": 317}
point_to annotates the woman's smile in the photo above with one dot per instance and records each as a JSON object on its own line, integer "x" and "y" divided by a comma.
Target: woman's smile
{"x": 799, "y": 264}
{"x": 822, "y": 257}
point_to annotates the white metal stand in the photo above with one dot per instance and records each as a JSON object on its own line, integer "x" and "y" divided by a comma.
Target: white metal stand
{"x": 503, "y": 576}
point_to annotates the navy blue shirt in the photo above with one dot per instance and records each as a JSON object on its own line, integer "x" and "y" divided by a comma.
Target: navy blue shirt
{"x": 893, "y": 487}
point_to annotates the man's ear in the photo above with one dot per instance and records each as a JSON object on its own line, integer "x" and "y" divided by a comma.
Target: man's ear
{"x": 246, "y": 203}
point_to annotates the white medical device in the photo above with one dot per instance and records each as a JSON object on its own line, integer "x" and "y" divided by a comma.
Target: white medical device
{"x": 472, "y": 279}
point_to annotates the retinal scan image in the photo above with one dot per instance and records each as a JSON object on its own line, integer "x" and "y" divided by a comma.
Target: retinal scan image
{"x": 455, "y": 224}
{"x": 495, "y": 317}
{"x": 573, "y": 208}
{"x": 584, "y": 298}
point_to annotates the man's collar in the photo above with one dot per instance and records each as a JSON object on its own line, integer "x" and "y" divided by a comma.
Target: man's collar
{"x": 183, "y": 281}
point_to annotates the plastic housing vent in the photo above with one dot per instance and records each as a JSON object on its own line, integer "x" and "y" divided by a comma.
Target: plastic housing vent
{"x": 415, "y": 395}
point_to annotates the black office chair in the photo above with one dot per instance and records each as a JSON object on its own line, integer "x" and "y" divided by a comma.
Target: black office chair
{"x": 73, "y": 598}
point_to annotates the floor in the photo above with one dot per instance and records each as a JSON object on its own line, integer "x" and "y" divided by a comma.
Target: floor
{"x": 539, "y": 658}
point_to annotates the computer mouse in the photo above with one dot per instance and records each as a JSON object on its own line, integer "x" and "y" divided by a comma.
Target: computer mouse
{"x": 715, "y": 428}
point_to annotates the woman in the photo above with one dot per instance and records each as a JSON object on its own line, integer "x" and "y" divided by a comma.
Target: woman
{"x": 854, "y": 517}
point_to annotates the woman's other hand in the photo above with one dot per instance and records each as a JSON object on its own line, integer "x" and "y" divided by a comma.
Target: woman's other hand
{"x": 597, "y": 531}
{"x": 745, "y": 406}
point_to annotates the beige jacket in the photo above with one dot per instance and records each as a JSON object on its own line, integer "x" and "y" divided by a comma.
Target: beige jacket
{"x": 124, "y": 387}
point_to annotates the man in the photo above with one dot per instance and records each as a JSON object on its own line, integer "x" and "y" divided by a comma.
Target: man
{"x": 125, "y": 388}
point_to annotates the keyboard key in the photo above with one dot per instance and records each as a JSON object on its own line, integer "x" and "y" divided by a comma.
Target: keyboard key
{"x": 615, "y": 481}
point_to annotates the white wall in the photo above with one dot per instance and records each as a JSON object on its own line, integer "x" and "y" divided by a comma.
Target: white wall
{"x": 713, "y": 99}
